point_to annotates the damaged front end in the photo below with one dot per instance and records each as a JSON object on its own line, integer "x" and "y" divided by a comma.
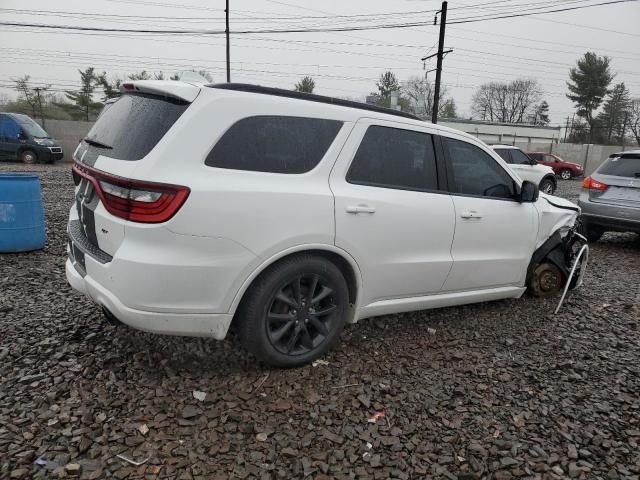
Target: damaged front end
{"x": 560, "y": 260}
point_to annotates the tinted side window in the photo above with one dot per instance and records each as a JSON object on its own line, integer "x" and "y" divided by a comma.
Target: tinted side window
{"x": 275, "y": 144}
{"x": 395, "y": 158}
{"x": 9, "y": 128}
{"x": 504, "y": 154}
{"x": 519, "y": 157}
{"x": 538, "y": 157}
{"x": 474, "y": 172}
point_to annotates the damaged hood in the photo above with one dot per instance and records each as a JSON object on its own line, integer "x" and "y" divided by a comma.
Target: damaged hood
{"x": 554, "y": 214}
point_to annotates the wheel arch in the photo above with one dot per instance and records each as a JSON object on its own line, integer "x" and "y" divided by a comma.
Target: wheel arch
{"x": 345, "y": 262}
{"x": 552, "y": 178}
{"x": 23, "y": 148}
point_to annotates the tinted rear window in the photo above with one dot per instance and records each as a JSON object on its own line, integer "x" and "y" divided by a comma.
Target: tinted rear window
{"x": 504, "y": 154}
{"x": 275, "y": 144}
{"x": 621, "y": 167}
{"x": 133, "y": 125}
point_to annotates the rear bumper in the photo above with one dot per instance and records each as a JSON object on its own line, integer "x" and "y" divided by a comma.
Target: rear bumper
{"x": 610, "y": 217}
{"x": 611, "y": 223}
{"x": 200, "y": 325}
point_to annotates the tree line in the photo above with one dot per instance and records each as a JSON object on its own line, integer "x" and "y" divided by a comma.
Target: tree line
{"x": 520, "y": 101}
{"x": 589, "y": 88}
{"x": 84, "y": 103}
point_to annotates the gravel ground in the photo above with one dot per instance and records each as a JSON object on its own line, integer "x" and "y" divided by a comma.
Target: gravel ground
{"x": 497, "y": 390}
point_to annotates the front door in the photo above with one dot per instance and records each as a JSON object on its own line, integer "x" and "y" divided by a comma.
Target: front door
{"x": 495, "y": 234}
{"x": 390, "y": 215}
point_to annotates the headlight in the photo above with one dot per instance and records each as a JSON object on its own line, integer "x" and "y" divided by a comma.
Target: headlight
{"x": 39, "y": 141}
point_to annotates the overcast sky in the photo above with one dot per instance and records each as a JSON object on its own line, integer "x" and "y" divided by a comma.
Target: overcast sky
{"x": 344, "y": 64}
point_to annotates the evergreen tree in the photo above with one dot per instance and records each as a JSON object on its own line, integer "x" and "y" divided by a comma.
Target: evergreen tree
{"x": 588, "y": 85}
{"x": 542, "y": 114}
{"x": 306, "y": 85}
{"x": 83, "y": 98}
{"x": 448, "y": 110}
{"x": 615, "y": 113}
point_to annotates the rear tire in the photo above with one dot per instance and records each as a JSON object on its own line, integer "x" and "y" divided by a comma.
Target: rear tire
{"x": 294, "y": 312}
{"x": 29, "y": 157}
{"x": 547, "y": 280}
{"x": 565, "y": 174}
{"x": 593, "y": 234}
{"x": 547, "y": 186}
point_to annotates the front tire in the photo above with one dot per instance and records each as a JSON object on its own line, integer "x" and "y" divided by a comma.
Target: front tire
{"x": 565, "y": 174}
{"x": 547, "y": 186}
{"x": 29, "y": 157}
{"x": 593, "y": 234}
{"x": 295, "y": 311}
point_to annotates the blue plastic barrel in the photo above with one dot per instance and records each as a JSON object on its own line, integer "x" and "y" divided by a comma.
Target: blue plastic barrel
{"x": 21, "y": 214}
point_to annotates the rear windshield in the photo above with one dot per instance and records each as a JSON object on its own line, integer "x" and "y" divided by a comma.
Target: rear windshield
{"x": 621, "y": 167}
{"x": 130, "y": 127}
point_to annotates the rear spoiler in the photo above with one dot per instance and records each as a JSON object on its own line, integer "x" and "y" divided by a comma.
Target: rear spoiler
{"x": 167, "y": 88}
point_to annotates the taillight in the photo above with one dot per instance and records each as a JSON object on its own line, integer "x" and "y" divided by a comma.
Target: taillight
{"x": 591, "y": 184}
{"x": 142, "y": 202}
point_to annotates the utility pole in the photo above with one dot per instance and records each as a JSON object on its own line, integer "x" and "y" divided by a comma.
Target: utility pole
{"x": 566, "y": 129}
{"x": 436, "y": 93}
{"x": 38, "y": 90}
{"x": 226, "y": 31}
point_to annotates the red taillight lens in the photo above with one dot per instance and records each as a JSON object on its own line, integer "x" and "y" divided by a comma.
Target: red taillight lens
{"x": 591, "y": 184}
{"x": 142, "y": 202}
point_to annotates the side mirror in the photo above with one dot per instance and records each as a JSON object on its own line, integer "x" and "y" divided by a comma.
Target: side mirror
{"x": 533, "y": 161}
{"x": 528, "y": 192}
{"x": 21, "y": 136}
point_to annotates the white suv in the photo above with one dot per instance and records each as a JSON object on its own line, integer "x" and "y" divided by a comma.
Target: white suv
{"x": 286, "y": 215}
{"x": 527, "y": 168}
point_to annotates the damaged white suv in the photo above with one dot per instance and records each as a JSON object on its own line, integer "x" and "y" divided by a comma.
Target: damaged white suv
{"x": 286, "y": 215}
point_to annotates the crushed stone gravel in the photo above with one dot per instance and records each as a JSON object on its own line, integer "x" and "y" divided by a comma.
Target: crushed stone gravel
{"x": 498, "y": 390}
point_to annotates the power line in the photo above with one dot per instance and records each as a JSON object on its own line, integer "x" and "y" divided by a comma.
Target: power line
{"x": 297, "y": 30}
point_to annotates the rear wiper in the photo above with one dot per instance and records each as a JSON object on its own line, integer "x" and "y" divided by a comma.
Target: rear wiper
{"x": 98, "y": 144}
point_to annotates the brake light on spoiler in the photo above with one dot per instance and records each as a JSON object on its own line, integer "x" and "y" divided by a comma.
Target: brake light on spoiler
{"x": 133, "y": 200}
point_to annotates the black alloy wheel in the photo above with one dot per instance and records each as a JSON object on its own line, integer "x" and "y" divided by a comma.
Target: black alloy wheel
{"x": 301, "y": 314}
{"x": 294, "y": 312}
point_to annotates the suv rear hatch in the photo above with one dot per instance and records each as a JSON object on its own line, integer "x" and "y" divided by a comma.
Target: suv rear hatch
{"x": 126, "y": 131}
{"x": 617, "y": 181}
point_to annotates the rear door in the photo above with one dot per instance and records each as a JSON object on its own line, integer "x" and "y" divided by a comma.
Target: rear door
{"x": 621, "y": 175}
{"x": 494, "y": 234}
{"x": 390, "y": 214}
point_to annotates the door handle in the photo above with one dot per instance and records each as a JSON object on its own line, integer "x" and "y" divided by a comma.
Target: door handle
{"x": 470, "y": 214}
{"x": 360, "y": 209}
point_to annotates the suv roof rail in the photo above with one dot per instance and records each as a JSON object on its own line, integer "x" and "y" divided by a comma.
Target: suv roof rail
{"x": 311, "y": 97}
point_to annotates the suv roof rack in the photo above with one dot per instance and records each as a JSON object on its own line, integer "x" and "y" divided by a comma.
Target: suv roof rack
{"x": 311, "y": 97}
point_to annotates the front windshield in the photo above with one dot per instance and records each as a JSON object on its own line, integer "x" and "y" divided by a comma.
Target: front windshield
{"x": 31, "y": 127}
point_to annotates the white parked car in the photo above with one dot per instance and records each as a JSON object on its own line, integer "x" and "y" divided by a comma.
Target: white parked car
{"x": 528, "y": 168}
{"x": 286, "y": 215}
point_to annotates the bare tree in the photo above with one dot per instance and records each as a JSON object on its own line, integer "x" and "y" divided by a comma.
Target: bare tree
{"x": 27, "y": 93}
{"x": 512, "y": 102}
{"x": 634, "y": 119}
{"x": 420, "y": 93}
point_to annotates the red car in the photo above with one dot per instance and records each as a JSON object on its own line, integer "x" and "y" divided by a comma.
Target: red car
{"x": 566, "y": 170}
